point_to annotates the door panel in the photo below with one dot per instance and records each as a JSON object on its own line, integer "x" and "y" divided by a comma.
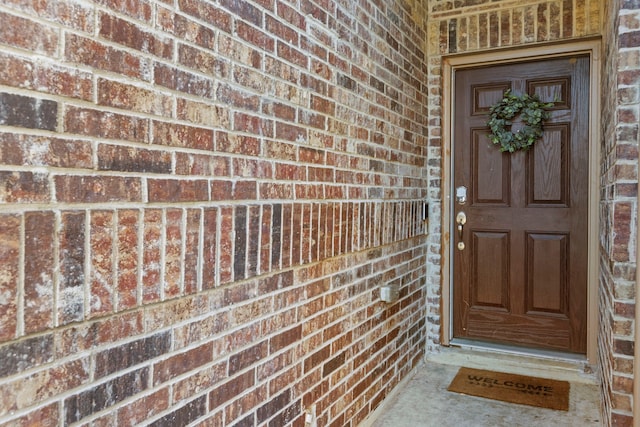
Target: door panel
{"x": 492, "y": 170}
{"x": 547, "y": 182}
{"x": 491, "y": 279}
{"x": 548, "y": 284}
{"x": 521, "y": 275}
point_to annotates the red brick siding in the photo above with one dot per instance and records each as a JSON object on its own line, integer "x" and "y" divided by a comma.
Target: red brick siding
{"x": 199, "y": 203}
{"x": 619, "y": 210}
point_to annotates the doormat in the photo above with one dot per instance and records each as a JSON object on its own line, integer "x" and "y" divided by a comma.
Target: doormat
{"x": 512, "y": 388}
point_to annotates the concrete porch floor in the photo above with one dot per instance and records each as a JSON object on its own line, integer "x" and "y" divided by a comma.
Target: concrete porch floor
{"x": 423, "y": 399}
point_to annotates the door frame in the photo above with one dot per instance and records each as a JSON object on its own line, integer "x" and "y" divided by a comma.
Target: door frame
{"x": 452, "y": 63}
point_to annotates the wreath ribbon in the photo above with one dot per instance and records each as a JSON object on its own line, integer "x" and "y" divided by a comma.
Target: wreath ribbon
{"x": 531, "y": 110}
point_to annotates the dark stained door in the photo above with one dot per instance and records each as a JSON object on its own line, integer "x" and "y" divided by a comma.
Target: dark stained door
{"x": 521, "y": 278}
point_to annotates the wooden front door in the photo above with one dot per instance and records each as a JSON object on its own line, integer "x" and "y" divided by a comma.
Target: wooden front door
{"x": 521, "y": 276}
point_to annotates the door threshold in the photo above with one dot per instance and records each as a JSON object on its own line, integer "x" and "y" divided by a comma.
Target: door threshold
{"x": 516, "y": 360}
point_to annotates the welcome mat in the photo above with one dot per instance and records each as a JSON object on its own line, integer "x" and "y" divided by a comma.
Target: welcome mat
{"x": 512, "y": 388}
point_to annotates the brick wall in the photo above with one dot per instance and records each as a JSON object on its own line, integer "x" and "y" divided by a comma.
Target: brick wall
{"x": 619, "y": 207}
{"x": 199, "y": 203}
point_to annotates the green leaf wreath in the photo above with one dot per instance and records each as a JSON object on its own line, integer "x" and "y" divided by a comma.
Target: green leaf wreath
{"x": 531, "y": 110}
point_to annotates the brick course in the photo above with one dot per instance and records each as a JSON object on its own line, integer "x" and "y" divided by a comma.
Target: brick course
{"x": 199, "y": 203}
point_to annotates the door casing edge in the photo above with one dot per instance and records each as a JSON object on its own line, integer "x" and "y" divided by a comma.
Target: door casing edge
{"x": 590, "y": 46}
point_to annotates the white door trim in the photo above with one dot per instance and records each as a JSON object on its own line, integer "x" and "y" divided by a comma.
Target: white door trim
{"x": 455, "y": 62}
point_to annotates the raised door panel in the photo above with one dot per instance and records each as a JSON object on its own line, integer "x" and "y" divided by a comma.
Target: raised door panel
{"x": 484, "y": 96}
{"x": 548, "y": 168}
{"x": 492, "y": 171}
{"x": 547, "y": 274}
{"x": 490, "y": 279}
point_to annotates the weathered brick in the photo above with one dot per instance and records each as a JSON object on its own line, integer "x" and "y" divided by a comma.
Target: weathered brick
{"x": 237, "y": 144}
{"x": 70, "y": 14}
{"x": 209, "y": 248}
{"x": 133, "y": 159}
{"x": 288, "y": 415}
{"x": 314, "y": 360}
{"x": 248, "y": 357}
{"x": 141, "y": 10}
{"x": 151, "y": 256}
{"x": 176, "y": 311}
{"x": 133, "y": 98}
{"x": 252, "y": 168}
{"x": 276, "y": 236}
{"x": 125, "y": 356}
{"x": 41, "y": 39}
{"x": 46, "y": 416}
{"x": 203, "y": 379}
{"x": 9, "y": 274}
{"x": 21, "y": 355}
{"x": 240, "y": 245}
{"x": 127, "y": 268}
{"x": 287, "y": 228}
{"x": 24, "y": 187}
{"x": 173, "y": 257}
{"x": 245, "y": 190}
{"x": 136, "y": 412}
{"x": 171, "y": 134}
{"x": 128, "y": 34}
{"x": 57, "y": 80}
{"x": 88, "y": 335}
{"x": 181, "y": 363}
{"x": 250, "y": 123}
{"x": 265, "y": 249}
{"x": 182, "y": 81}
{"x": 27, "y": 112}
{"x": 308, "y": 7}
{"x": 285, "y": 339}
{"x": 256, "y": 37}
{"x": 97, "y": 189}
{"x": 237, "y": 98}
{"x": 97, "y": 55}
{"x": 192, "y": 254}
{"x": 208, "y": 13}
{"x": 173, "y": 190}
{"x": 253, "y": 240}
{"x": 24, "y": 392}
{"x": 279, "y": 29}
{"x": 70, "y": 302}
{"x": 201, "y": 164}
{"x": 187, "y": 29}
{"x": 621, "y": 420}
{"x": 232, "y": 388}
{"x": 184, "y": 415}
{"x": 105, "y": 124}
{"x": 104, "y": 395}
{"x": 273, "y": 406}
{"x": 102, "y": 284}
{"x": 290, "y": 132}
{"x": 203, "y": 113}
{"x": 33, "y": 150}
{"x": 39, "y": 272}
{"x": 296, "y": 234}
{"x": 226, "y": 249}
